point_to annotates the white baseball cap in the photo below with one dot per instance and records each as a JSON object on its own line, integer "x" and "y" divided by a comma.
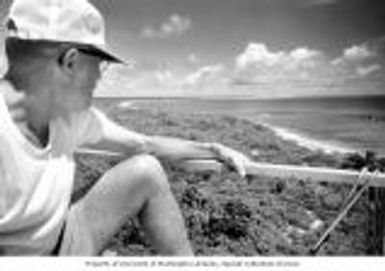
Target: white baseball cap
{"x": 73, "y": 21}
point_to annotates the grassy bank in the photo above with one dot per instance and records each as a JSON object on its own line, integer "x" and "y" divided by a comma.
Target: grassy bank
{"x": 227, "y": 216}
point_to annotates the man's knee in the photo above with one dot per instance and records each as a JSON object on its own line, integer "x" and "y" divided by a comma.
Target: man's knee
{"x": 148, "y": 170}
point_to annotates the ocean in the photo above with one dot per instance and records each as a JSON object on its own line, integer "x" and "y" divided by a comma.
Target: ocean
{"x": 333, "y": 124}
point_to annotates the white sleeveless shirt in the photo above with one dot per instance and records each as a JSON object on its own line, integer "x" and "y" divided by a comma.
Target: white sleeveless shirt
{"x": 36, "y": 183}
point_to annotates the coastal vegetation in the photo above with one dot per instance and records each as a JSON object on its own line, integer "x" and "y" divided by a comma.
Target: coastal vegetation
{"x": 226, "y": 215}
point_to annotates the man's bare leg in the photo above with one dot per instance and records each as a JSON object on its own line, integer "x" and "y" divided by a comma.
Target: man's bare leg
{"x": 137, "y": 186}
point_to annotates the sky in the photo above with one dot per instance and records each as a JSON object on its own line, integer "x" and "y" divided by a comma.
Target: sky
{"x": 248, "y": 48}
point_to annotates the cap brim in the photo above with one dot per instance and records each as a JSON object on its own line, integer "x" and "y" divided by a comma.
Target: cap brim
{"x": 107, "y": 55}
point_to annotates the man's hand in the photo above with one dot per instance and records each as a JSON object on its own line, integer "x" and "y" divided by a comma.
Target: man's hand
{"x": 231, "y": 158}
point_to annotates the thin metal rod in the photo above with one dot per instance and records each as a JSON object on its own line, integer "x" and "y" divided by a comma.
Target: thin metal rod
{"x": 315, "y": 174}
{"x": 353, "y": 191}
{"x": 341, "y": 215}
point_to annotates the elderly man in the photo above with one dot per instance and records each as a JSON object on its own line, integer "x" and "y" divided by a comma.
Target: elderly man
{"x": 55, "y": 51}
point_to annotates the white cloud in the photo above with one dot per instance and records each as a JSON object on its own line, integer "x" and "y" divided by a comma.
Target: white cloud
{"x": 296, "y": 71}
{"x": 356, "y": 54}
{"x": 257, "y": 53}
{"x": 175, "y": 25}
{"x": 367, "y": 70}
{"x": 357, "y": 61}
{"x": 193, "y": 59}
{"x": 258, "y": 64}
{"x": 303, "y": 54}
{"x": 205, "y": 75}
{"x": 164, "y": 77}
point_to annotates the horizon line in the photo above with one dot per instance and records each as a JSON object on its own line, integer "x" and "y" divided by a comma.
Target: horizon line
{"x": 241, "y": 97}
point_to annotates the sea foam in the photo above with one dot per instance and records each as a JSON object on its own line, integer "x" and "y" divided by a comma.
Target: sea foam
{"x": 310, "y": 143}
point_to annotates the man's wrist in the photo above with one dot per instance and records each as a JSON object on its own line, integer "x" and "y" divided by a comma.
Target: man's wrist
{"x": 212, "y": 148}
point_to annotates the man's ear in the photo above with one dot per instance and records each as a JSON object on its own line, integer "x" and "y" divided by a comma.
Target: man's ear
{"x": 69, "y": 60}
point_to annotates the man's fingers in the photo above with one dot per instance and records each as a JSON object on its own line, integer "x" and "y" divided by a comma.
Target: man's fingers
{"x": 239, "y": 166}
{"x": 242, "y": 172}
{"x": 233, "y": 159}
{"x": 241, "y": 169}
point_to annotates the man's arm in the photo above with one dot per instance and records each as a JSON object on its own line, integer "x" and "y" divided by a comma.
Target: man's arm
{"x": 116, "y": 138}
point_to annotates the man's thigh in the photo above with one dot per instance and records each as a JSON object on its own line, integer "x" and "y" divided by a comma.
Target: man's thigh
{"x": 120, "y": 193}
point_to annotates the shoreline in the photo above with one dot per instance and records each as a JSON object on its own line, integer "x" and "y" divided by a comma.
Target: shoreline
{"x": 286, "y": 134}
{"x": 310, "y": 143}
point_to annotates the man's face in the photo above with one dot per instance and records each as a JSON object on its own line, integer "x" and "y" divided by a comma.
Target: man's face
{"x": 89, "y": 73}
{"x": 86, "y": 70}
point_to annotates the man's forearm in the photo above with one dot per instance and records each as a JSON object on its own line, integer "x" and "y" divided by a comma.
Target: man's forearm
{"x": 179, "y": 149}
{"x": 127, "y": 142}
